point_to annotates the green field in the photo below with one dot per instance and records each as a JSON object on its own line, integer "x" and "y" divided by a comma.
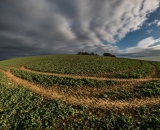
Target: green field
{"x": 82, "y": 65}
{"x": 76, "y": 92}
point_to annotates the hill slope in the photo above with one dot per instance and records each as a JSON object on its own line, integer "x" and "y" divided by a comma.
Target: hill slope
{"x": 82, "y": 92}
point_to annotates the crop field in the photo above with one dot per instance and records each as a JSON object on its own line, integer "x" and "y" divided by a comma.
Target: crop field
{"x": 86, "y": 65}
{"x": 79, "y": 92}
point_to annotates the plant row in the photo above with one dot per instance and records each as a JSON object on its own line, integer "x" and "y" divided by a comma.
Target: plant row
{"x": 83, "y": 65}
{"x": 142, "y": 119}
{"x": 21, "y": 109}
{"x": 17, "y": 62}
{"x": 143, "y": 71}
{"x": 157, "y": 65}
{"x": 148, "y": 89}
{"x": 49, "y": 80}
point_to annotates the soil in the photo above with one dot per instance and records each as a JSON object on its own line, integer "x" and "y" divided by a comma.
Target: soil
{"x": 82, "y": 96}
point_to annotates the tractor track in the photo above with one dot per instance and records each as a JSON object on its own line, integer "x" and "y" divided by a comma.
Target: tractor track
{"x": 78, "y": 99}
{"x": 87, "y": 76}
{"x": 148, "y": 78}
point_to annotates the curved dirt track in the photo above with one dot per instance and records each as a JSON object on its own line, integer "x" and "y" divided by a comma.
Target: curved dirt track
{"x": 107, "y": 73}
{"x": 148, "y": 78}
{"x": 83, "y": 99}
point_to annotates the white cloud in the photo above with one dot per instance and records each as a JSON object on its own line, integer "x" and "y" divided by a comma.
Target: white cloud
{"x": 68, "y": 26}
{"x": 154, "y": 22}
{"x": 158, "y": 24}
{"x": 149, "y": 31}
{"x": 147, "y": 44}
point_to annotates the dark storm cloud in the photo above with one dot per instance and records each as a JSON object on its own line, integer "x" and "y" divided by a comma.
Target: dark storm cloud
{"x": 60, "y": 26}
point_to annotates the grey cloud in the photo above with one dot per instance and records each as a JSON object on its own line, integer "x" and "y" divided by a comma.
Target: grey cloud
{"x": 58, "y": 26}
{"x": 146, "y": 47}
{"x": 142, "y": 53}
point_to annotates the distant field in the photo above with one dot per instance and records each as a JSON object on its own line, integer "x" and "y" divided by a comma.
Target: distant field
{"x": 83, "y": 65}
{"x": 79, "y": 92}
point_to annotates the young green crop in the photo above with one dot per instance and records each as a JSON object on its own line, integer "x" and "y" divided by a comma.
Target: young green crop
{"x": 17, "y": 62}
{"x": 22, "y": 109}
{"x": 157, "y": 65}
{"x": 143, "y": 118}
{"x": 143, "y": 71}
{"x": 83, "y": 65}
{"x": 49, "y": 80}
{"x": 148, "y": 89}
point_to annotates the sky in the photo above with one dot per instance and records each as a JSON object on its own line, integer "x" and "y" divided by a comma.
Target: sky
{"x": 126, "y": 28}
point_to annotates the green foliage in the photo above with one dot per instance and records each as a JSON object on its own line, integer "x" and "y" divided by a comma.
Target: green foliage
{"x": 83, "y": 65}
{"x": 142, "y": 119}
{"x": 148, "y": 89}
{"x": 140, "y": 72}
{"x": 21, "y": 109}
{"x": 157, "y": 65}
{"x": 148, "y": 118}
{"x": 49, "y": 80}
{"x": 5, "y": 64}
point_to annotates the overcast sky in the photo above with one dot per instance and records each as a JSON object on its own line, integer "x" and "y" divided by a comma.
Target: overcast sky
{"x": 122, "y": 27}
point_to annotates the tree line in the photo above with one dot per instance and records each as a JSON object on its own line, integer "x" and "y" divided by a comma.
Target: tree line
{"x": 104, "y": 54}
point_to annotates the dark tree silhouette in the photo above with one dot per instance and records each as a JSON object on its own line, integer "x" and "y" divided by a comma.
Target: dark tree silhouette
{"x": 108, "y": 54}
{"x": 86, "y": 53}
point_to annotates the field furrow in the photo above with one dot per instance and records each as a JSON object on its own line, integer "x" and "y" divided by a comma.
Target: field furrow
{"x": 78, "y": 100}
{"x": 79, "y": 92}
{"x": 150, "y": 77}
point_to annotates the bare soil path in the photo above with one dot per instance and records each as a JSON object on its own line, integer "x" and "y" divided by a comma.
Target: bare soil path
{"x": 82, "y": 99}
{"x": 94, "y": 76}
{"x": 148, "y": 78}
{"x": 154, "y": 72}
